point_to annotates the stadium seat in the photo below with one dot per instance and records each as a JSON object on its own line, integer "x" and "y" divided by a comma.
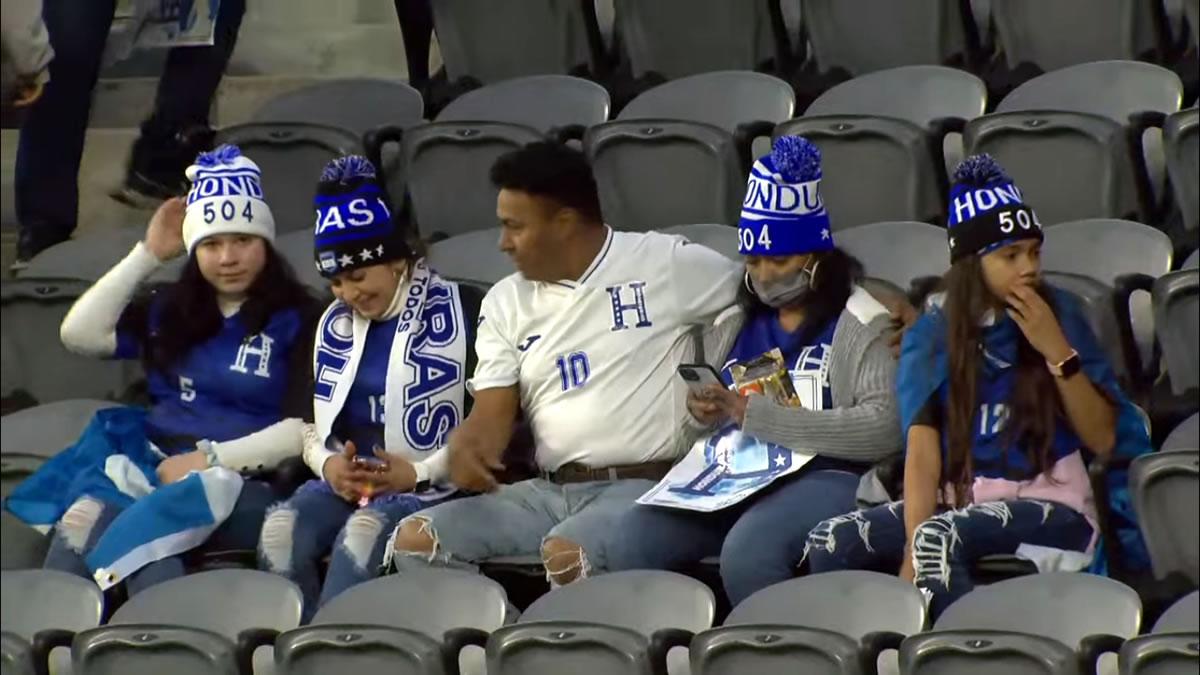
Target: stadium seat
{"x": 1192, "y": 262}
{"x": 1181, "y": 617}
{"x": 1167, "y": 654}
{"x": 1112, "y": 89}
{"x": 21, "y": 546}
{"x": 1177, "y": 323}
{"x": 45, "y": 608}
{"x": 89, "y": 256}
{"x": 291, "y": 156}
{"x": 447, "y": 164}
{"x": 365, "y": 648}
{"x": 726, "y": 99}
{"x": 776, "y": 630}
{"x": 985, "y": 652}
{"x": 355, "y": 104}
{"x": 677, "y": 38}
{"x": 653, "y": 174}
{"x": 1181, "y": 138}
{"x": 1070, "y": 166}
{"x": 917, "y": 94}
{"x": 862, "y": 36}
{"x": 874, "y": 169}
{"x": 897, "y": 252}
{"x": 720, "y": 238}
{"x": 630, "y": 618}
{"x": 489, "y": 41}
{"x": 297, "y": 249}
{"x": 474, "y": 256}
{"x": 1186, "y": 436}
{"x": 1053, "y": 35}
{"x": 47, "y": 429}
{"x": 16, "y": 655}
{"x": 209, "y": 619}
{"x": 1166, "y": 498}
{"x": 543, "y": 102}
{"x": 1096, "y": 299}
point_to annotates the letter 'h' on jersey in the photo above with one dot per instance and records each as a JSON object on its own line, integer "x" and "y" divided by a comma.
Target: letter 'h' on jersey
{"x": 619, "y": 306}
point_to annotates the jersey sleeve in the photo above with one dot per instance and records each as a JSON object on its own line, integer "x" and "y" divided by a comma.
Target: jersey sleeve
{"x": 704, "y": 282}
{"x": 495, "y": 348}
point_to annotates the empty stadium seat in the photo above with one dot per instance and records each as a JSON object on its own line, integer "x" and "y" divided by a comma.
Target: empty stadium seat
{"x": 21, "y": 546}
{"x": 1166, "y": 498}
{"x": 1177, "y": 323}
{"x": 986, "y": 652}
{"x": 474, "y": 256}
{"x": 874, "y": 169}
{"x": 720, "y": 238}
{"x": 361, "y": 648}
{"x": 355, "y": 104}
{"x": 1186, "y": 436}
{"x": 897, "y": 252}
{"x": 1183, "y": 616}
{"x": 45, "y": 608}
{"x": 49, "y": 428}
{"x": 653, "y": 174}
{"x": 776, "y": 630}
{"x": 726, "y": 99}
{"x": 1096, "y": 299}
{"x": 89, "y": 256}
{"x": 1192, "y": 261}
{"x": 1181, "y": 138}
{"x": 542, "y": 102}
{"x": 917, "y": 94}
{"x": 1167, "y": 654}
{"x": 16, "y": 655}
{"x": 862, "y": 36}
{"x": 1113, "y": 89}
{"x": 297, "y": 249}
{"x": 1053, "y": 35}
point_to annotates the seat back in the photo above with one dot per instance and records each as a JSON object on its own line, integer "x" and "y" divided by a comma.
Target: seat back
{"x": 1062, "y": 606}
{"x": 1169, "y": 654}
{"x": 47, "y": 429}
{"x": 297, "y": 248}
{"x": 1105, "y": 249}
{"x": 1052, "y": 36}
{"x": 151, "y": 649}
{"x": 545, "y": 647}
{"x": 1181, "y": 617}
{"x": 473, "y": 256}
{"x": 90, "y": 256}
{"x": 874, "y": 169}
{"x": 447, "y": 164}
{"x": 720, "y": 238}
{"x": 897, "y": 252}
{"x": 640, "y": 600}
{"x": 723, "y": 99}
{"x": 291, "y": 156}
{"x": 1186, "y": 436}
{"x": 1176, "y": 315}
{"x": 917, "y": 94}
{"x": 1166, "y": 498}
{"x": 16, "y": 657}
{"x": 773, "y": 650}
{"x": 1181, "y": 138}
{"x": 541, "y": 102}
{"x": 21, "y": 546}
{"x": 350, "y": 648}
{"x": 1070, "y": 166}
{"x": 1095, "y": 298}
{"x": 37, "y": 600}
{"x": 653, "y": 174}
{"x": 984, "y": 652}
{"x": 677, "y": 38}
{"x": 358, "y": 104}
{"x": 1112, "y": 89}
{"x": 862, "y": 36}
{"x": 492, "y": 41}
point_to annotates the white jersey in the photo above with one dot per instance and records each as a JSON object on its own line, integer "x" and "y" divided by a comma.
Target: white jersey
{"x": 595, "y": 359}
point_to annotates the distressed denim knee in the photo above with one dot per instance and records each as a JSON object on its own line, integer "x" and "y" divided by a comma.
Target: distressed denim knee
{"x": 564, "y": 561}
{"x": 275, "y": 549}
{"x": 76, "y": 526}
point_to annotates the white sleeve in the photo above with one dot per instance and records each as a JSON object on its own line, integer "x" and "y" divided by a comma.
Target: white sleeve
{"x": 263, "y": 449}
{"x": 498, "y": 363}
{"x": 436, "y": 467}
{"x": 704, "y": 282}
{"x": 90, "y": 328}
{"x": 315, "y": 453}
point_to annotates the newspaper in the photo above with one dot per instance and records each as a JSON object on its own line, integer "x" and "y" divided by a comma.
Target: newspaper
{"x": 175, "y": 23}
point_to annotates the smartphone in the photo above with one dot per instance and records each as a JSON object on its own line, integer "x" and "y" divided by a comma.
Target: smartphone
{"x": 699, "y": 375}
{"x": 370, "y": 463}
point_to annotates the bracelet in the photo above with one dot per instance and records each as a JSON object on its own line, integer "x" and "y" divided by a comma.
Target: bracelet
{"x": 209, "y": 449}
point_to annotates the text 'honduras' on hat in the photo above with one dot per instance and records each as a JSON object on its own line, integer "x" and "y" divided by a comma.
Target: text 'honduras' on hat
{"x": 782, "y": 213}
{"x": 226, "y": 197}
{"x": 987, "y": 210}
{"x": 354, "y": 225}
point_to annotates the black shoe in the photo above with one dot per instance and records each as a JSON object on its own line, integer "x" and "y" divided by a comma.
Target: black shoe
{"x": 28, "y": 246}
{"x": 157, "y": 164}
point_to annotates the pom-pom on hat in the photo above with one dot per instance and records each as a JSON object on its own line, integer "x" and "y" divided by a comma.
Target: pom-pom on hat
{"x": 354, "y": 225}
{"x": 782, "y": 213}
{"x": 226, "y": 197}
{"x": 987, "y": 210}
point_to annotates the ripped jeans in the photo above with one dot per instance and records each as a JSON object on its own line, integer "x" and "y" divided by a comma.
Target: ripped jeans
{"x": 945, "y": 546}
{"x": 300, "y": 531}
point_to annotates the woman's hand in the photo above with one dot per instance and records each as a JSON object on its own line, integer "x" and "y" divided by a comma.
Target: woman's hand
{"x": 393, "y": 474}
{"x": 714, "y": 404}
{"x": 349, "y": 480}
{"x": 164, "y": 235}
{"x": 177, "y": 467}
{"x": 1038, "y": 323}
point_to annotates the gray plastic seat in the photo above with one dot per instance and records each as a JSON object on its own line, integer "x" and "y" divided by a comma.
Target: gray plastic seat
{"x": 1181, "y": 139}
{"x": 32, "y": 601}
{"x": 492, "y": 41}
{"x": 1186, "y": 436}
{"x": 1096, "y": 299}
{"x": 862, "y": 36}
{"x": 897, "y": 252}
{"x": 153, "y": 648}
{"x": 46, "y": 429}
{"x": 1181, "y": 617}
{"x": 21, "y": 546}
{"x": 291, "y": 156}
{"x": 677, "y": 38}
{"x": 874, "y": 169}
{"x": 448, "y": 163}
{"x": 917, "y": 94}
{"x": 1113, "y": 89}
{"x": 474, "y": 256}
{"x": 552, "y": 647}
{"x": 1070, "y": 166}
{"x": 986, "y": 652}
{"x": 1166, "y": 498}
{"x": 653, "y": 174}
{"x": 316, "y": 650}
{"x": 89, "y": 256}
{"x": 16, "y": 655}
{"x": 1177, "y": 654}
{"x": 297, "y": 249}
{"x": 541, "y": 102}
{"x": 358, "y": 104}
{"x": 1176, "y": 319}
{"x": 724, "y": 99}
{"x": 1051, "y": 35}
{"x": 720, "y": 238}
{"x": 1192, "y": 262}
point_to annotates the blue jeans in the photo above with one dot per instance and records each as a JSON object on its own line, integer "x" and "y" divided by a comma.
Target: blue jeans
{"x": 945, "y": 546}
{"x": 51, "y": 141}
{"x": 299, "y": 532}
{"x": 86, "y": 521}
{"x": 760, "y": 541}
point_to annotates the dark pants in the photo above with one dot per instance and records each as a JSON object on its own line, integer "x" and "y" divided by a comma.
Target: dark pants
{"x": 945, "y": 546}
{"x": 52, "y": 137}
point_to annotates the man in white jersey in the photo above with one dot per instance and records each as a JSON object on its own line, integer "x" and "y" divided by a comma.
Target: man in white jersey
{"x": 584, "y": 339}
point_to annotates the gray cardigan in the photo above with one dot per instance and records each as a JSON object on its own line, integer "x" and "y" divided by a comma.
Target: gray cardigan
{"x": 864, "y": 424}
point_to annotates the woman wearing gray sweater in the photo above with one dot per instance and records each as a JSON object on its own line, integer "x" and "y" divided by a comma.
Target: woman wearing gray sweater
{"x": 801, "y": 296}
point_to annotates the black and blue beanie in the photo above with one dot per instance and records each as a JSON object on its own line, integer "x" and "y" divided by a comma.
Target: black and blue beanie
{"x": 355, "y": 227}
{"x": 987, "y": 210}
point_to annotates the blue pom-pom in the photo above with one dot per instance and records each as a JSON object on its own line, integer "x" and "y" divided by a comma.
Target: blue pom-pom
{"x": 796, "y": 159}
{"x": 980, "y": 170}
{"x": 224, "y": 154}
{"x": 348, "y": 168}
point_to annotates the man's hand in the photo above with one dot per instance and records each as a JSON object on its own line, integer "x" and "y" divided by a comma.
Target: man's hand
{"x": 177, "y": 467}
{"x": 393, "y": 474}
{"x": 349, "y": 480}
{"x": 472, "y": 468}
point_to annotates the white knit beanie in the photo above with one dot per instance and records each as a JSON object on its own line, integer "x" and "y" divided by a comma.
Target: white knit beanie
{"x": 226, "y": 197}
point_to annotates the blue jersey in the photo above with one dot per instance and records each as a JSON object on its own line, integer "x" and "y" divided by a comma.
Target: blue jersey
{"x": 361, "y": 419}
{"x": 229, "y": 386}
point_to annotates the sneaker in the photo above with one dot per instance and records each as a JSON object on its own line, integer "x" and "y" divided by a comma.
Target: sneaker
{"x": 141, "y": 192}
{"x": 157, "y": 164}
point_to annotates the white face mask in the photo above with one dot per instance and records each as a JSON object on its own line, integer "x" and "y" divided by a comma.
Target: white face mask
{"x": 783, "y": 292}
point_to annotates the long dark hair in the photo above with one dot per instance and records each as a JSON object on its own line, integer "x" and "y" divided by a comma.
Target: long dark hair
{"x": 824, "y": 301}
{"x": 1034, "y": 405}
{"x": 188, "y": 313}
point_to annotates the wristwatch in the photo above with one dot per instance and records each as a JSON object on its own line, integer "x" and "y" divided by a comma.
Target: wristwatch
{"x": 1065, "y": 368}
{"x": 422, "y": 472}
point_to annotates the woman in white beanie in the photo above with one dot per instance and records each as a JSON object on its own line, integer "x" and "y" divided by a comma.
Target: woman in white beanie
{"x": 225, "y": 350}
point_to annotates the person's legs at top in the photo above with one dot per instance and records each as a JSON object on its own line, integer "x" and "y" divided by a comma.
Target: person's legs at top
{"x": 76, "y": 533}
{"x": 416, "y": 27}
{"x": 46, "y": 179}
{"x": 767, "y": 543}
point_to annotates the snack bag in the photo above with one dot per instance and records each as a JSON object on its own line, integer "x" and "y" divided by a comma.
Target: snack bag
{"x": 767, "y": 375}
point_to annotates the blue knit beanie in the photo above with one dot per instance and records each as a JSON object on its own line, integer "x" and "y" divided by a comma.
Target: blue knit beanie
{"x": 355, "y": 227}
{"x": 782, "y": 213}
{"x": 987, "y": 210}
